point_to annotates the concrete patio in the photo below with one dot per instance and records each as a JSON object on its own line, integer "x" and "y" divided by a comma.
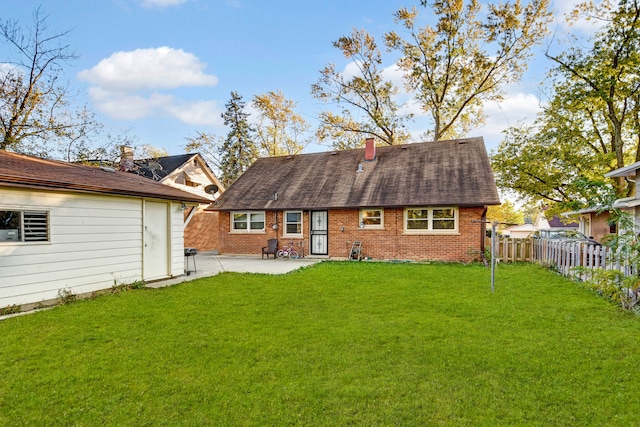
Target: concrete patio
{"x": 209, "y": 264}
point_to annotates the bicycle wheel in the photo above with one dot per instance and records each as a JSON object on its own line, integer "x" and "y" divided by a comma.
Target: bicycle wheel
{"x": 294, "y": 255}
{"x": 280, "y": 253}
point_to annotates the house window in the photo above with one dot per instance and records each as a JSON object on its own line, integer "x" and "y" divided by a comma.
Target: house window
{"x": 24, "y": 226}
{"x": 372, "y": 218}
{"x": 247, "y": 222}
{"x": 190, "y": 183}
{"x": 431, "y": 220}
{"x": 293, "y": 223}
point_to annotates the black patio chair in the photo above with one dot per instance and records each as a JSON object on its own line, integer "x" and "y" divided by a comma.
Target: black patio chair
{"x": 271, "y": 248}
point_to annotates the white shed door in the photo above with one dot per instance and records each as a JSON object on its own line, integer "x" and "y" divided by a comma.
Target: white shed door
{"x": 156, "y": 240}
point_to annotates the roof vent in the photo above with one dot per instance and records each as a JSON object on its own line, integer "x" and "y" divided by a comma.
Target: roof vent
{"x": 359, "y": 167}
{"x": 107, "y": 169}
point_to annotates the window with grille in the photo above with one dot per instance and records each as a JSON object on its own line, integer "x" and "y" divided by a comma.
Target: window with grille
{"x": 24, "y": 226}
{"x": 293, "y": 223}
{"x": 371, "y": 218}
{"x": 247, "y": 222}
{"x": 431, "y": 220}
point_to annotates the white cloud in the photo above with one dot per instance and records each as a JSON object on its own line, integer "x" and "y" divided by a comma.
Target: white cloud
{"x": 392, "y": 73}
{"x": 6, "y": 68}
{"x": 161, "y": 67}
{"x": 161, "y": 3}
{"x": 200, "y": 113}
{"x": 563, "y": 8}
{"x": 125, "y": 106}
{"x": 130, "y": 85}
{"x": 516, "y": 108}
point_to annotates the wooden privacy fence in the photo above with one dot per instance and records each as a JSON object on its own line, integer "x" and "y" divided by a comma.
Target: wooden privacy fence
{"x": 565, "y": 256}
{"x": 513, "y": 250}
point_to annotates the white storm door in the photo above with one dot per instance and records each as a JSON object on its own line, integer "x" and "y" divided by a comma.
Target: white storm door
{"x": 319, "y": 233}
{"x": 156, "y": 240}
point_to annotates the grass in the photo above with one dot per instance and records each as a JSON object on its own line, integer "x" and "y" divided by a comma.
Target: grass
{"x": 335, "y": 344}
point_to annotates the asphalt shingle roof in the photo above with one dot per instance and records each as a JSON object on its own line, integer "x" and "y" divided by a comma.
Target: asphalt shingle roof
{"x": 17, "y": 170}
{"x": 160, "y": 167}
{"x": 440, "y": 173}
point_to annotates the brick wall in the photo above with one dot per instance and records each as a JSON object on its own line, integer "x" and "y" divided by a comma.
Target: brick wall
{"x": 387, "y": 243}
{"x": 202, "y": 232}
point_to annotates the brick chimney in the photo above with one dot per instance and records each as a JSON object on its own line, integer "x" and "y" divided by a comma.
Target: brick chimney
{"x": 126, "y": 158}
{"x": 370, "y": 150}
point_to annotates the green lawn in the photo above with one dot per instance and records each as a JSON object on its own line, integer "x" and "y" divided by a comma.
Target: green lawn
{"x": 335, "y": 344}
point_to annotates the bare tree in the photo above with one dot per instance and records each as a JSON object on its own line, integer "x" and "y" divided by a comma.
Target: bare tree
{"x": 34, "y": 104}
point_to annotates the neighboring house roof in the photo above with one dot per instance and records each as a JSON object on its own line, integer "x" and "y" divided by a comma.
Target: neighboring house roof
{"x": 626, "y": 203}
{"x": 522, "y": 227}
{"x": 592, "y": 209}
{"x": 160, "y": 167}
{"x": 557, "y": 222}
{"x": 441, "y": 173}
{"x": 188, "y": 172}
{"x": 629, "y": 170}
{"x": 541, "y": 223}
{"x": 17, "y": 170}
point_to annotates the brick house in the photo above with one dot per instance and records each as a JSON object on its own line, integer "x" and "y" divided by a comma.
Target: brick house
{"x": 423, "y": 201}
{"x": 593, "y": 222}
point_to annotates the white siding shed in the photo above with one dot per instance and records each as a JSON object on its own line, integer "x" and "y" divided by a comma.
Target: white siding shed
{"x": 96, "y": 229}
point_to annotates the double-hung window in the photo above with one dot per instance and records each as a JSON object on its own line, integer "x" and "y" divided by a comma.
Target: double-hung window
{"x": 293, "y": 223}
{"x": 247, "y": 222}
{"x": 372, "y": 218}
{"x": 24, "y": 226}
{"x": 431, "y": 220}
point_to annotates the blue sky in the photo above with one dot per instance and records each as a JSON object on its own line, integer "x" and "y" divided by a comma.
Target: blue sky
{"x": 163, "y": 69}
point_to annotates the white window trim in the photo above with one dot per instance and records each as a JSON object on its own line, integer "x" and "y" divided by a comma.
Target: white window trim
{"x": 284, "y": 224}
{"x": 23, "y": 240}
{"x": 371, "y": 226}
{"x": 430, "y": 230}
{"x": 248, "y": 230}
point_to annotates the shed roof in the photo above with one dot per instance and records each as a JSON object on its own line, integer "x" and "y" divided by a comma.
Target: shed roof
{"x": 18, "y": 170}
{"x": 441, "y": 173}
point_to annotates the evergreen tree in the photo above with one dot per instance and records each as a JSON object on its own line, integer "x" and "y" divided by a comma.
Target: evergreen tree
{"x": 238, "y": 151}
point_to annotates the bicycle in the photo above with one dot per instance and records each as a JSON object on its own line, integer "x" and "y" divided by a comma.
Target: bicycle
{"x": 288, "y": 251}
